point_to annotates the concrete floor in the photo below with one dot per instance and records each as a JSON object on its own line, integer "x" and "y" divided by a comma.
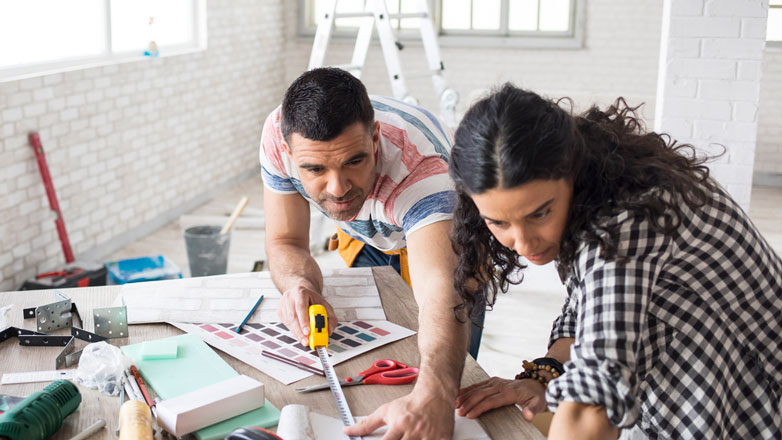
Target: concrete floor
{"x": 517, "y": 328}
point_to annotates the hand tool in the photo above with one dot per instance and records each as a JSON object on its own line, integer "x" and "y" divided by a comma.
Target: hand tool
{"x": 40, "y": 415}
{"x": 382, "y": 372}
{"x": 319, "y": 341}
{"x": 135, "y": 421}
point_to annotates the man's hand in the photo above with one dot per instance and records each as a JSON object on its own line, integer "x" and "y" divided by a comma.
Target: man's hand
{"x": 294, "y": 271}
{"x": 428, "y": 411}
{"x": 418, "y": 415}
{"x": 293, "y": 311}
{"x": 496, "y": 392}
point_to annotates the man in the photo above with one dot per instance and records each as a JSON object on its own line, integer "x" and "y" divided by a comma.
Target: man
{"x": 379, "y": 169}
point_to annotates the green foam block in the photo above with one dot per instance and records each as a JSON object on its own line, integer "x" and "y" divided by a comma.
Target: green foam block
{"x": 196, "y": 366}
{"x": 160, "y": 349}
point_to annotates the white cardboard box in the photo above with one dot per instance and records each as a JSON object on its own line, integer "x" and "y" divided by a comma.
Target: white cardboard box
{"x": 207, "y": 406}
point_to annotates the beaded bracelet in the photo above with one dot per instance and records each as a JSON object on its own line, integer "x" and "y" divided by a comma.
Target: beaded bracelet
{"x": 550, "y": 364}
{"x": 531, "y": 369}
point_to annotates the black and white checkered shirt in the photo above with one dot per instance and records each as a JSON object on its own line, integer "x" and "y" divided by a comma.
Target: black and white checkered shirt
{"x": 685, "y": 337}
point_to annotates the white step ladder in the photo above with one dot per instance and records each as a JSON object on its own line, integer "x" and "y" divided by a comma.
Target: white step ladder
{"x": 375, "y": 12}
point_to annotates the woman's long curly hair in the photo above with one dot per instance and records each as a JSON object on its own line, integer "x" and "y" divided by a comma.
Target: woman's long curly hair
{"x": 514, "y": 136}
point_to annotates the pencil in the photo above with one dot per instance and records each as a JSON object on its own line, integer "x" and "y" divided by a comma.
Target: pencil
{"x": 135, "y": 390}
{"x": 293, "y": 363}
{"x": 92, "y": 429}
{"x": 246, "y": 318}
{"x": 141, "y": 385}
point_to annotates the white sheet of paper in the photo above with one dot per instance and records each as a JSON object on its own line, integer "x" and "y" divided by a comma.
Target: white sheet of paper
{"x": 227, "y": 298}
{"x": 298, "y": 422}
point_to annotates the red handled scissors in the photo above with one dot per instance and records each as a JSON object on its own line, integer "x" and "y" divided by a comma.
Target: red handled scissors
{"x": 382, "y": 372}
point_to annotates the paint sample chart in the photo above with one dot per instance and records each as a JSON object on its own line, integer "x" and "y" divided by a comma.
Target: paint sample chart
{"x": 227, "y": 298}
{"x": 348, "y": 340}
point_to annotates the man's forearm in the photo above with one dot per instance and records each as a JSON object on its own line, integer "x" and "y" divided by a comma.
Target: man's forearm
{"x": 442, "y": 342}
{"x": 291, "y": 265}
{"x": 442, "y": 339}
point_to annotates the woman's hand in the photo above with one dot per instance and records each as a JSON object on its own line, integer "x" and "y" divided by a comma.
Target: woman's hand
{"x": 496, "y": 392}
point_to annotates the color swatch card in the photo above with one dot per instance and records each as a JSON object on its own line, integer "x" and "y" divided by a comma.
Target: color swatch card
{"x": 227, "y": 298}
{"x": 348, "y": 340}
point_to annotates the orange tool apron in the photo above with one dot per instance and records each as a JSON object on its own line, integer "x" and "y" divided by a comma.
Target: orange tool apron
{"x": 348, "y": 248}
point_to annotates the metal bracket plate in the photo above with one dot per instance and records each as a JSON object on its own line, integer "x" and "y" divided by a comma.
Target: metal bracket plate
{"x": 111, "y": 322}
{"x": 72, "y": 358}
{"x": 8, "y": 333}
{"x": 13, "y": 332}
{"x": 68, "y": 357}
{"x": 84, "y": 335}
{"x": 54, "y": 316}
{"x": 44, "y": 340}
{"x": 62, "y": 358}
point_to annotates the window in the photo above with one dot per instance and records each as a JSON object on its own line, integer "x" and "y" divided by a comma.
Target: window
{"x": 73, "y": 34}
{"x": 774, "y": 25}
{"x": 508, "y": 17}
{"x": 546, "y": 23}
{"x": 317, "y": 9}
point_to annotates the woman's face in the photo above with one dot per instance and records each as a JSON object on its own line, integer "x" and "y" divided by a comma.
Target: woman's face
{"x": 530, "y": 218}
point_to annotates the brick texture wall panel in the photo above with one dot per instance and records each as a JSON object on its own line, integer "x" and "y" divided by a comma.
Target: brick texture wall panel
{"x": 723, "y": 111}
{"x": 111, "y": 132}
{"x": 769, "y": 147}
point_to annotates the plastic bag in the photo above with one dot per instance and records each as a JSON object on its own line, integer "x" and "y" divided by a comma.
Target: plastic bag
{"x": 102, "y": 366}
{"x": 4, "y": 320}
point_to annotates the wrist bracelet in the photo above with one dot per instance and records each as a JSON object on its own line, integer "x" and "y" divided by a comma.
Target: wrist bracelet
{"x": 550, "y": 364}
{"x": 531, "y": 370}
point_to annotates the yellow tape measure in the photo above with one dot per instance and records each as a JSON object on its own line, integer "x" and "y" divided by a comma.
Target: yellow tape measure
{"x": 319, "y": 341}
{"x": 319, "y": 327}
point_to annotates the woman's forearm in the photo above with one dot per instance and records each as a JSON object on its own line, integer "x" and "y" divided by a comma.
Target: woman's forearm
{"x": 560, "y": 349}
{"x": 578, "y": 420}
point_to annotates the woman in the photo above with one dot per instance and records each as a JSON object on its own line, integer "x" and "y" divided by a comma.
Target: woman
{"x": 672, "y": 322}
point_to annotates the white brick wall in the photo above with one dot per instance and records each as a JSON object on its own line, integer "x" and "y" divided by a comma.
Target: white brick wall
{"x": 709, "y": 97}
{"x": 768, "y": 155}
{"x": 127, "y": 142}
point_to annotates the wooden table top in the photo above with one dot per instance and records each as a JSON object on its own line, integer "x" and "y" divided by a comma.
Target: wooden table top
{"x": 398, "y": 303}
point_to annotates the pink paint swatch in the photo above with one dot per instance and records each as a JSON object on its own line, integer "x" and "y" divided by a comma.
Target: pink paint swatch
{"x": 379, "y": 331}
{"x": 224, "y": 335}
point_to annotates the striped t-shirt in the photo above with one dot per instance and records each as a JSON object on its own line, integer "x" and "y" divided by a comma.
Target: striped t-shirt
{"x": 412, "y": 188}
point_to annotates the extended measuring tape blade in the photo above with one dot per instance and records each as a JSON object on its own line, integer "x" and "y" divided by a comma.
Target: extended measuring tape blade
{"x": 336, "y": 389}
{"x": 319, "y": 341}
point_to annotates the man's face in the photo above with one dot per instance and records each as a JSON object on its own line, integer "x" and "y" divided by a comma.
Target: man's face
{"x": 338, "y": 174}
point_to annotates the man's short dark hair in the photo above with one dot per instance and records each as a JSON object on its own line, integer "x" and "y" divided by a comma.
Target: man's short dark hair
{"x": 322, "y": 102}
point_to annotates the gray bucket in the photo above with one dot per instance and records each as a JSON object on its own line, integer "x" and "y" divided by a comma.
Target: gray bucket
{"x": 207, "y": 250}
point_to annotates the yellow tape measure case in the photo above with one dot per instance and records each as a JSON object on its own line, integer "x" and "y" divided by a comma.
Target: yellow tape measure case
{"x": 319, "y": 327}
